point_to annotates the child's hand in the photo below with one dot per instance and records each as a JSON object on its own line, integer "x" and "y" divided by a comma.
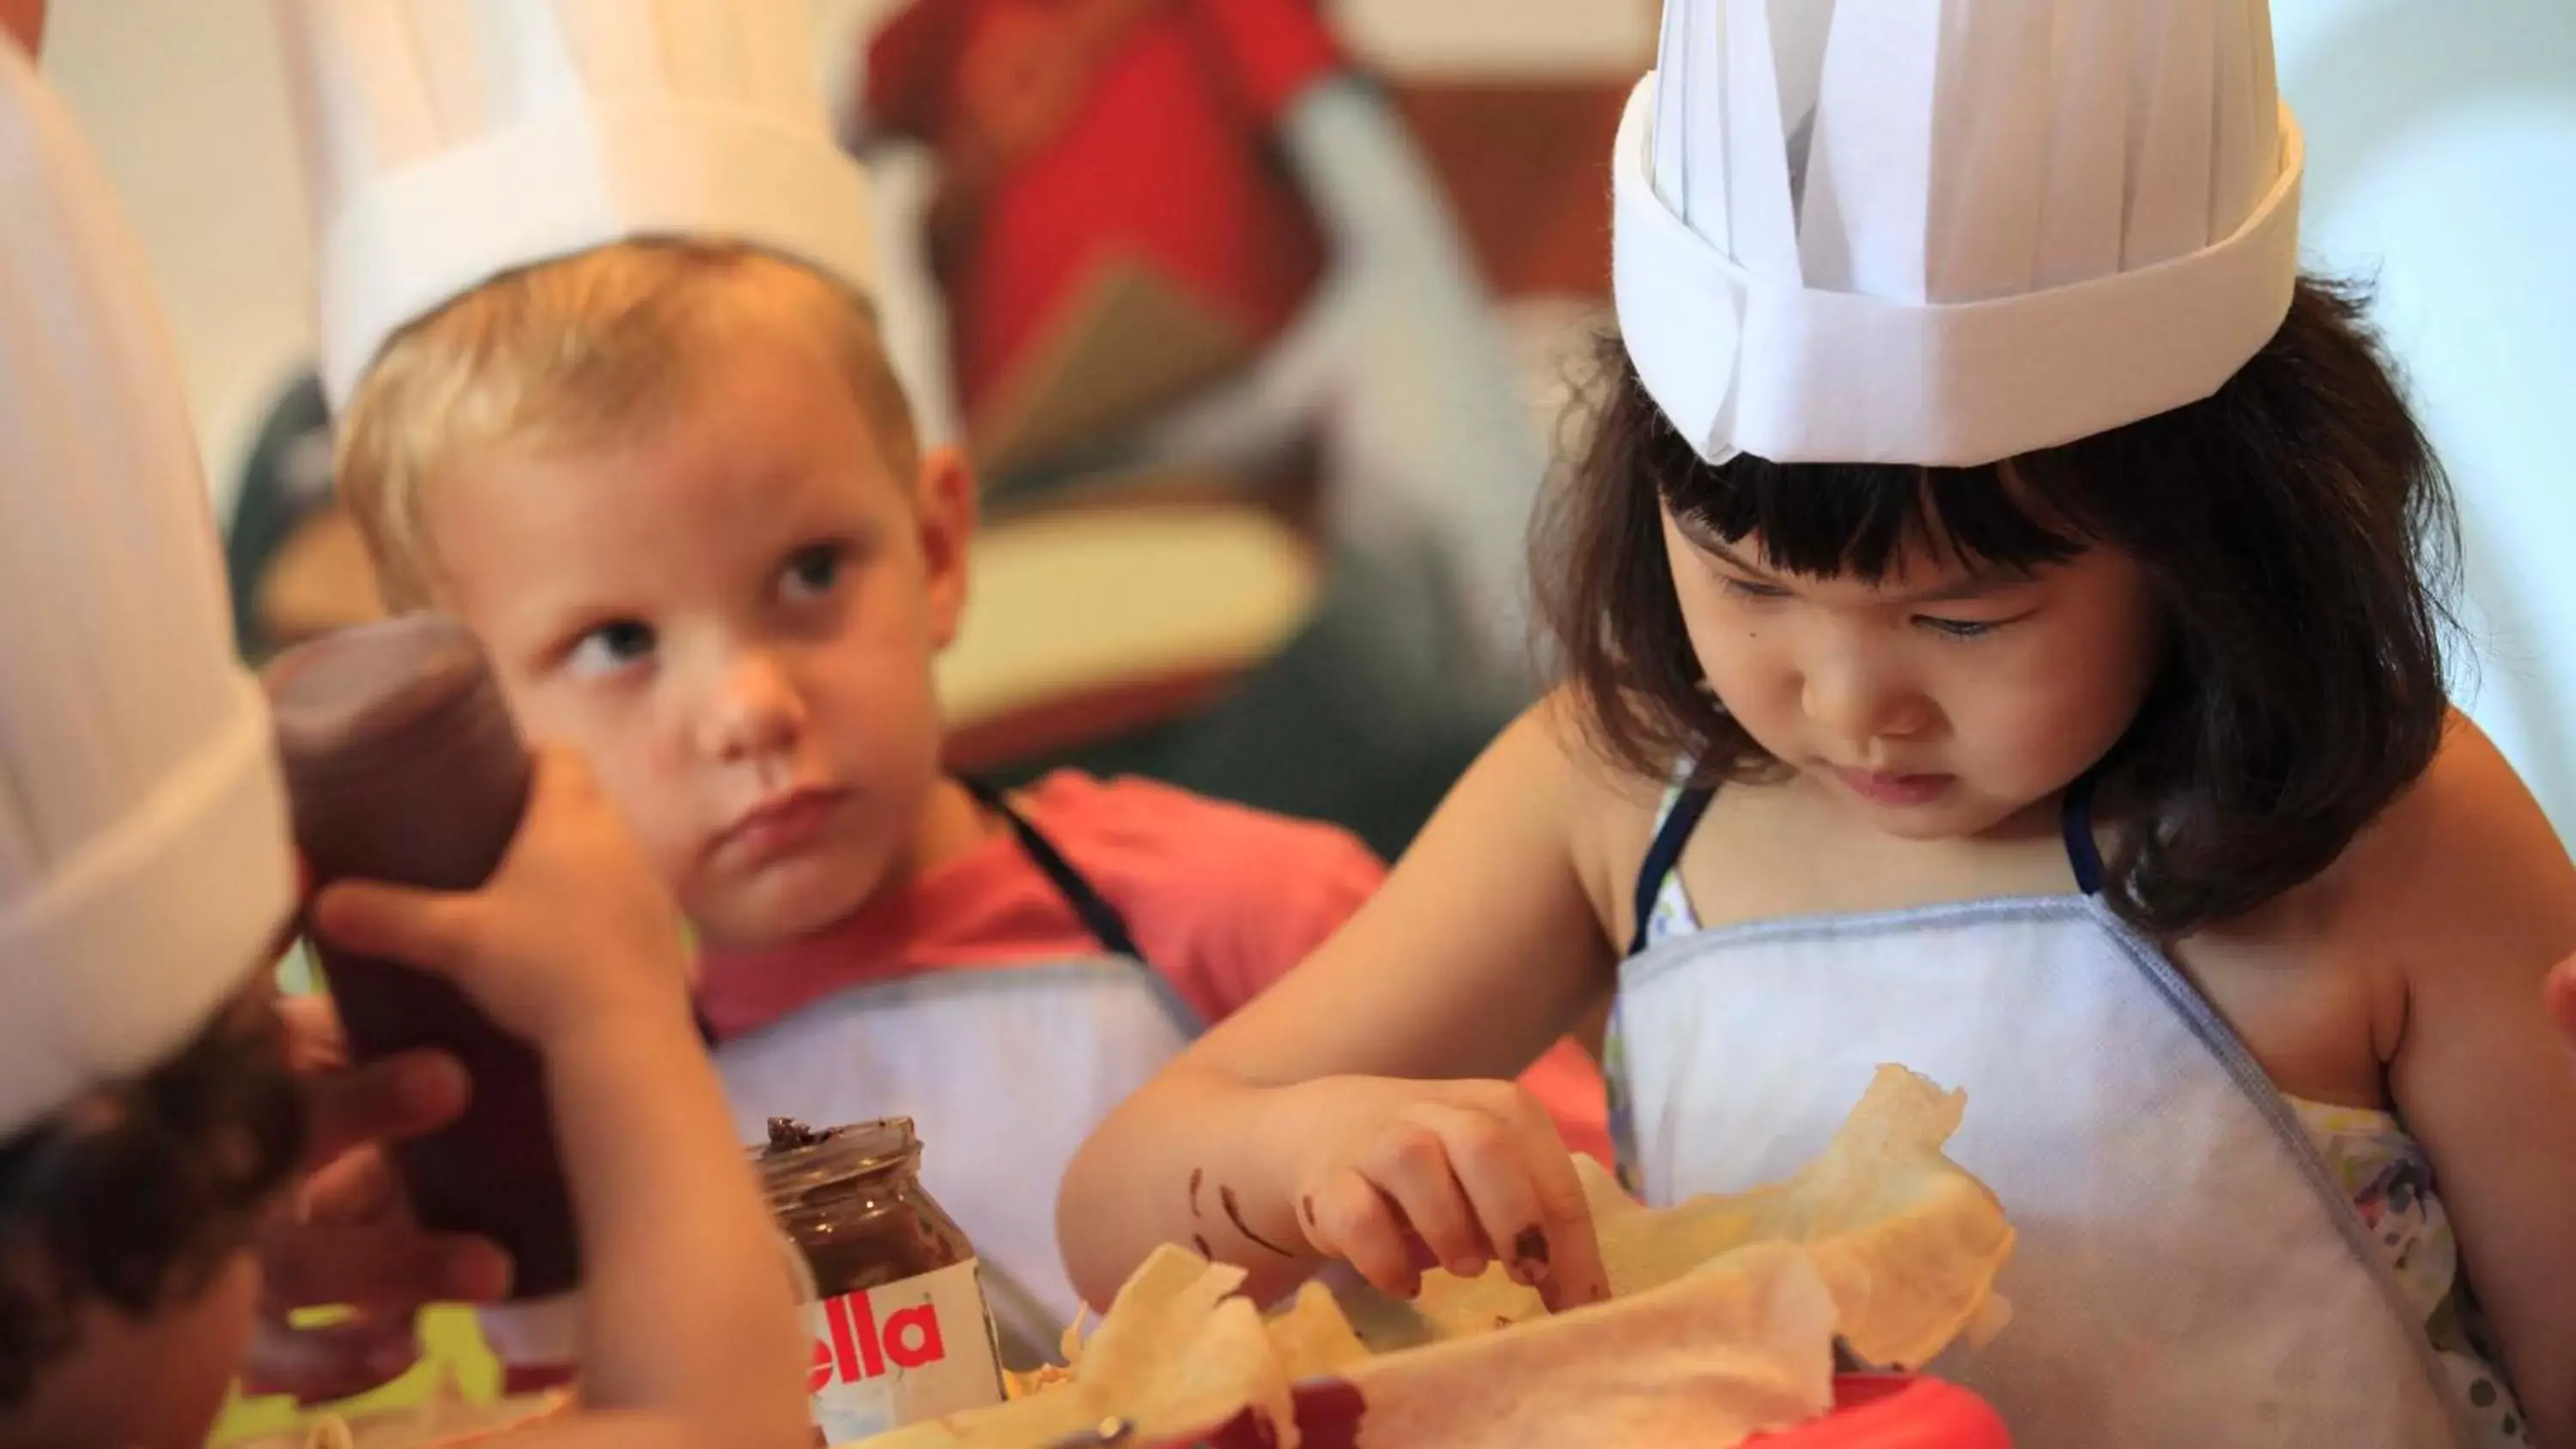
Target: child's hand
{"x": 575, "y": 933}
{"x": 348, "y": 1239}
{"x": 1401, "y": 1175}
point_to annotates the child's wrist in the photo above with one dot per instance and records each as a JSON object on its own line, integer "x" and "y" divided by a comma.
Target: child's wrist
{"x": 624, "y": 1039}
{"x": 1268, "y": 1189}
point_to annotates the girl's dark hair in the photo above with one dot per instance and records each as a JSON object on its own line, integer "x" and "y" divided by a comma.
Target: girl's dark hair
{"x": 2296, "y": 530}
{"x": 138, "y": 1193}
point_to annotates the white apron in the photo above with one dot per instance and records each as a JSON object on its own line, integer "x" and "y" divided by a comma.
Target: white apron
{"x": 2186, "y": 1272}
{"x": 1004, "y": 1072}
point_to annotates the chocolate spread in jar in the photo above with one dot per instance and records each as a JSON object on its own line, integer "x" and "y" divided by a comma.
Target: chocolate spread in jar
{"x": 896, "y": 1314}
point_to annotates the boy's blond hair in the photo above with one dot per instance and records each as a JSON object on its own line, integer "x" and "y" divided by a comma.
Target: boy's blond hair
{"x": 567, "y": 353}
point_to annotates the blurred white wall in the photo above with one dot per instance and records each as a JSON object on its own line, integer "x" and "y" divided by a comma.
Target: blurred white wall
{"x": 2442, "y": 145}
{"x": 184, "y": 100}
{"x": 2443, "y": 139}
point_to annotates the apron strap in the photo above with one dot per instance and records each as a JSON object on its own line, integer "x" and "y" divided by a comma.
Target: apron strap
{"x": 1672, "y": 836}
{"x": 2075, "y": 821}
{"x": 1099, "y": 917}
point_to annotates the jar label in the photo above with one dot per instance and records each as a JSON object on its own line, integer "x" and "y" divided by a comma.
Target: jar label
{"x": 902, "y": 1353}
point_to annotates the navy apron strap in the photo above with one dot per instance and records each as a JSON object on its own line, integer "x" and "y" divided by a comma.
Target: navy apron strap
{"x": 2083, "y": 853}
{"x": 1100, "y": 918}
{"x": 1672, "y": 837}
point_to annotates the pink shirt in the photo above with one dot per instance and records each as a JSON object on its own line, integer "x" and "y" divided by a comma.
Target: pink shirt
{"x": 1221, "y": 899}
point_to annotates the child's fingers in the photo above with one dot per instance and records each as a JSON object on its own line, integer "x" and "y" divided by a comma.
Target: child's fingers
{"x": 1539, "y": 1219}
{"x": 357, "y": 1187}
{"x": 1575, "y": 1273}
{"x": 315, "y": 1041}
{"x": 1486, "y": 1155}
{"x": 393, "y": 1267}
{"x": 328, "y": 1364}
{"x": 425, "y": 929}
{"x": 1411, "y": 1167}
{"x": 1346, "y": 1217}
{"x": 399, "y": 1097}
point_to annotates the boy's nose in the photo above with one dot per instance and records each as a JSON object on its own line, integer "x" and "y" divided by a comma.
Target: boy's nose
{"x": 755, "y": 710}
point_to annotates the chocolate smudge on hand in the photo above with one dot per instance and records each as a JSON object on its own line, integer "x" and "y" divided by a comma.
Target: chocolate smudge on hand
{"x": 1197, "y": 1175}
{"x": 1200, "y": 1242}
{"x": 1234, "y": 1214}
{"x": 1308, "y": 1203}
{"x": 1530, "y": 1253}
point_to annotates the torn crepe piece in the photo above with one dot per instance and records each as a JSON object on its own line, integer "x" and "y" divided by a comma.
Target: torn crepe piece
{"x": 1313, "y": 1337}
{"x": 1908, "y": 1241}
{"x": 1178, "y": 1352}
{"x": 1743, "y": 1346}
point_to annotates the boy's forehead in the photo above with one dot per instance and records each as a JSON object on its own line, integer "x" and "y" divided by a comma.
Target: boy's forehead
{"x": 655, "y": 496}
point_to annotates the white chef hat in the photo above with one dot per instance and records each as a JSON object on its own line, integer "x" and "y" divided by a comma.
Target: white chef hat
{"x": 1950, "y": 231}
{"x": 450, "y": 141}
{"x": 144, "y": 857}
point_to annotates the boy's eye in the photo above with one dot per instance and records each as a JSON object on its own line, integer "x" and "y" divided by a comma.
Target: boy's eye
{"x": 617, "y": 645}
{"x": 813, "y": 570}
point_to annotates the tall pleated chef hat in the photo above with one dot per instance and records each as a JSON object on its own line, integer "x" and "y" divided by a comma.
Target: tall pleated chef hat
{"x": 1946, "y": 232}
{"x": 450, "y": 141}
{"x": 145, "y": 867}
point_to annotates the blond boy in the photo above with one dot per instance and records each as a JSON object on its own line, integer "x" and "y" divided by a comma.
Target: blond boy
{"x": 656, "y": 458}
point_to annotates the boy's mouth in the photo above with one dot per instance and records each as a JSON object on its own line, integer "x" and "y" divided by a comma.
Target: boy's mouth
{"x": 782, "y": 823}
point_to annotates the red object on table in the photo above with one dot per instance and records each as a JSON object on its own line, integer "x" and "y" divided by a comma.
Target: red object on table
{"x": 1893, "y": 1412}
{"x": 1874, "y": 1411}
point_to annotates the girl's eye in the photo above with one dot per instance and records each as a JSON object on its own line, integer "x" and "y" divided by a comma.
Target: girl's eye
{"x": 1747, "y": 589}
{"x": 813, "y": 570}
{"x": 615, "y": 646}
{"x": 1964, "y": 628}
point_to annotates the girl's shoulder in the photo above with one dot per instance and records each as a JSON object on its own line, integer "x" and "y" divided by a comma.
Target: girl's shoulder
{"x": 2461, "y": 879}
{"x": 1607, "y": 810}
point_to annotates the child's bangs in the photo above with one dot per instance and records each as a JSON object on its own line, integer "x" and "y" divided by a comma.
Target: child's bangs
{"x": 1862, "y": 520}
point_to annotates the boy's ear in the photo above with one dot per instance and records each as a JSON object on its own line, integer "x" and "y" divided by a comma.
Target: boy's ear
{"x": 948, "y": 505}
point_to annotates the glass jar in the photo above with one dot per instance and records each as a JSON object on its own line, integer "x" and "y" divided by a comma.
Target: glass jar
{"x": 894, "y": 1301}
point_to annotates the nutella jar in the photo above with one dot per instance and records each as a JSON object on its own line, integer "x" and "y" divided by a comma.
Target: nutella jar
{"x": 894, "y": 1304}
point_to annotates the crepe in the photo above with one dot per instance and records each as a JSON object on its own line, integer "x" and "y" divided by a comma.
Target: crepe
{"x": 1722, "y": 1321}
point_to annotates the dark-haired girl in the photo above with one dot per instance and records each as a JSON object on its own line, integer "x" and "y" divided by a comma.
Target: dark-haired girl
{"x": 1998, "y": 676}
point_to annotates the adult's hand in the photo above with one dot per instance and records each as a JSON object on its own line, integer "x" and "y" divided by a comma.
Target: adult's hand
{"x": 347, "y": 1239}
